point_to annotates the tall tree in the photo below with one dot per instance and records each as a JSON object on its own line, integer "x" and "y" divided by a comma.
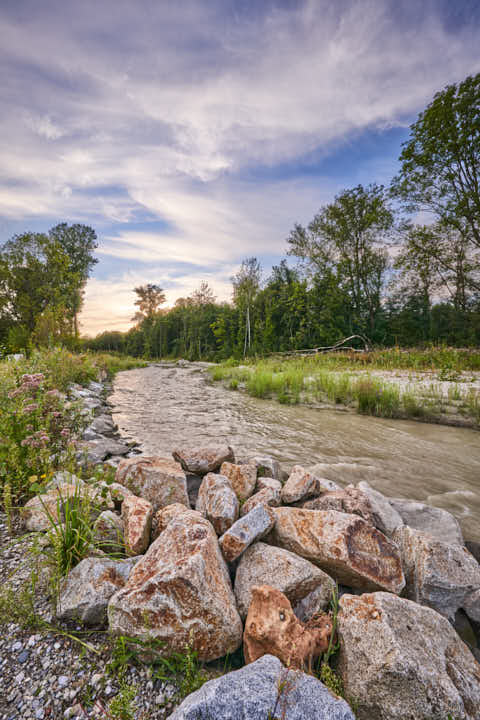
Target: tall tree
{"x": 347, "y": 237}
{"x": 246, "y": 284}
{"x": 79, "y": 242}
{"x": 149, "y": 299}
{"x": 440, "y": 169}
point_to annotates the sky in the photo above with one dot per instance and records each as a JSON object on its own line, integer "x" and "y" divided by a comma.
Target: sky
{"x": 192, "y": 134}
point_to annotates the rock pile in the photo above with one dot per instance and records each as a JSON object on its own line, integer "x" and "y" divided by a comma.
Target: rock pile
{"x": 256, "y": 558}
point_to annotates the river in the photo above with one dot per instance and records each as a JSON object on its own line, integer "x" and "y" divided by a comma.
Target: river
{"x": 161, "y": 407}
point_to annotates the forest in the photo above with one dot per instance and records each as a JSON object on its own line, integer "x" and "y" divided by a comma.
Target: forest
{"x": 399, "y": 265}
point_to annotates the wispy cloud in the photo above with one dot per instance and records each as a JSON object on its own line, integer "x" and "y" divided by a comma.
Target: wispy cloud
{"x": 115, "y": 112}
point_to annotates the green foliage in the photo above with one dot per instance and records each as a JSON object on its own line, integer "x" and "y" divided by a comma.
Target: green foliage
{"x": 42, "y": 277}
{"x": 441, "y": 160}
{"x": 38, "y": 425}
{"x": 334, "y": 378}
{"x": 71, "y": 532}
{"x": 182, "y": 669}
{"x": 122, "y": 706}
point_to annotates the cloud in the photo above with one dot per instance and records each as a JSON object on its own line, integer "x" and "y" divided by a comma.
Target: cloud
{"x": 115, "y": 112}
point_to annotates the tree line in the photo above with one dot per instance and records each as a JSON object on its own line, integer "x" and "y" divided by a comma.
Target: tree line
{"x": 400, "y": 265}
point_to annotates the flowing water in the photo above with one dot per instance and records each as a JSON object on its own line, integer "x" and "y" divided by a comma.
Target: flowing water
{"x": 163, "y": 406}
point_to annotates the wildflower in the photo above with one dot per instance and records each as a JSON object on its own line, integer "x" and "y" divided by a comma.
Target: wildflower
{"x": 65, "y": 432}
{"x": 31, "y": 408}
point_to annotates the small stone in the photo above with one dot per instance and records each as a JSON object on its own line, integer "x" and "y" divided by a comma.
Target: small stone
{"x": 23, "y": 657}
{"x": 63, "y": 681}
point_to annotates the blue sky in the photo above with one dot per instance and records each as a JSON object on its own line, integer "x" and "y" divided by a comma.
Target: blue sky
{"x": 193, "y": 134}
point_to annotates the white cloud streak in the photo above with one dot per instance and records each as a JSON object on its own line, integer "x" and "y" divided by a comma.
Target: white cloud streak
{"x": 116, "y": 109}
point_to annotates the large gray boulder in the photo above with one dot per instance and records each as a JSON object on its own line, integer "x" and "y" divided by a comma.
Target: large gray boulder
{"x": 437, "y": 573}
{"x": 431, "y": 520}
{"x": 85, "y": 592}
{"x": 295, "y": 577}
{"x": 159, "y": 480}
{"x": 401, "y": 660}
{"x": 344, "y": 546}
{"x": 263, "y": 690}
{"x": 384, "y": 515}
{"x": 218, "y": 502}
{"x": 180, "y": 593}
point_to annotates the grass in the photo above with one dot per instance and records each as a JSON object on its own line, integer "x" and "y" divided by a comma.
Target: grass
{"x": 334, "y": 378}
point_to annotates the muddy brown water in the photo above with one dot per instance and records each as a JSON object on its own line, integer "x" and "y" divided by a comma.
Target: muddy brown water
{"x": 162, "y": 407}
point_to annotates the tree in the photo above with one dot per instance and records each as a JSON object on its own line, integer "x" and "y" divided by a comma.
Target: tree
{"x": 347, "y": 238}
{"x": 42, "y": 272}
{"x": 440, "y": 169}
{"x": 246, "y": 284}
{"x": 149, "y": 299}
{"x": 79, "y": 242}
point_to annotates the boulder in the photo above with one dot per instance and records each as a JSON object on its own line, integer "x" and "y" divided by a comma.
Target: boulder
{"x": 108, "y": 532}
{"x": 202, "y": 460}
{"x": 295, "y": 577}
{"x": 437, "y": 573}
{"x": 267, "y": 467}
{"x": 159, "y": 480}
{"x": 253, "y": 526}
{"x": 385, "y": 517}
{"x": 103, "y": 425}
{"x": 37, "y": 512}
{"x": 300, "y": 485}
{"x": 268, "y": 483}
{"x": 401, "y": 660}
{"x": 85, "y": 592}
{"x": 243, "y": 478}
{"x": 350, "y": 500}
{"x": 431, "y": 520}
{"x": 267, "y": 496}
{"x": 137, "y": 523}
{"x": 218, "y": 502}
{"x": 345, "y": 546}
{"x": 163, "y": 516}
{"x": 271, "y": 628}
{"x": 180, "y": 593}
{"x": 263, "y": 690}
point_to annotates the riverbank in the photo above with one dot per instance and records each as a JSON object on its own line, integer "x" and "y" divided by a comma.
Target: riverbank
{"x": 436, "y": 387}
{"x": 56, "y": 665}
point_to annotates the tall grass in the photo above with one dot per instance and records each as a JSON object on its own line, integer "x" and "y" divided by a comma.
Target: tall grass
{"x": 334, "y": 379}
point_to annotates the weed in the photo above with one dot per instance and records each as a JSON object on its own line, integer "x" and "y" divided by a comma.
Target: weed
{"x": 71, "y": 532}
{"x": 182, "y": 669}
{"x": 122, "y": 706}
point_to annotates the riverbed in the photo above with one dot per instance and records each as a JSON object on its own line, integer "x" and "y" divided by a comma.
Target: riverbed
{"x": 161, "y": 407}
